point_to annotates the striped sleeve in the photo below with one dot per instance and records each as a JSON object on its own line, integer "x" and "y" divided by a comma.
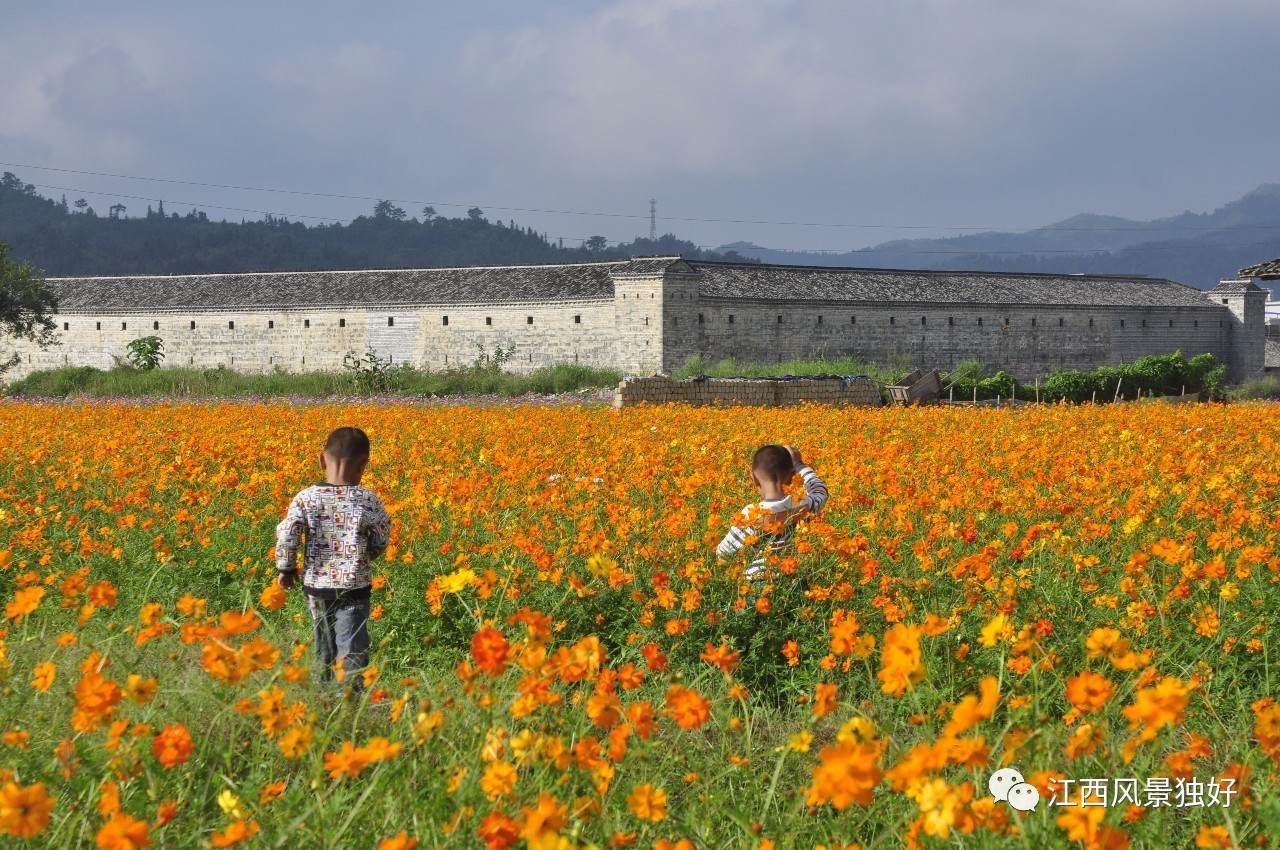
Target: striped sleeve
{"x": 734, "y": 540}
{"x": 814, "y": 488}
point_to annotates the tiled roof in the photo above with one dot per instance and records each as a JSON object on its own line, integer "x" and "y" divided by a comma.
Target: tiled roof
{"x": 1236, "y": 286}
{"x": 525, "y": 284}
{"x": 480, "y": 285}
{"x": 1269, "y": 270}
{"x": 744, "y": 280}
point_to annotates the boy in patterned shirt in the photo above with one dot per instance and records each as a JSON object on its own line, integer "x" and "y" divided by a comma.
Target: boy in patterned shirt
{"x": 345, "y": 527}
{"x": 770, "y": 520}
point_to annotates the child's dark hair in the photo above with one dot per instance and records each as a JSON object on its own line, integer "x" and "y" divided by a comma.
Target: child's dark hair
{"x": 774, "y": 463}
{"x": 347, "y": 444}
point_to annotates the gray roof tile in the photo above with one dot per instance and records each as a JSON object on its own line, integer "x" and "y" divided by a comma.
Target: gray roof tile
{"x": 734, "y": 280}
{"x": 1269, "y": 270}
{"x": 574, "y": 281}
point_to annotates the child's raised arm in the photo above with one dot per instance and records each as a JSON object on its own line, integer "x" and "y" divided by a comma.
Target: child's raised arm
{"x": 815, "y": 490}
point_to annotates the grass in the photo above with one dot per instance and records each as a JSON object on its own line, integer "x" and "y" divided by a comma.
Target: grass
{"x": 127, "y": 382}
{"x": 731, "y": 368}
{"x": 1259, "y": 388}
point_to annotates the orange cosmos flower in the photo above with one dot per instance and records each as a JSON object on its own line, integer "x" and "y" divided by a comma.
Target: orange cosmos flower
{"x": 399, "y": 841}
{"x": 901, "y": 662}
{"x": 24, "y": 811}
{"x": 123, "y": 832}
{"x": 1157, "y": 707}
{"x": 722, "y": 657}
{"x": 498, "y": 831}
{"x": 604, "y": 709}
{"x": 102, "y": 594}
{"x": 490, "y": 649}
{"x": 648, "y": 803}
{"x": 173, "y": 745}
{"x": 689, "y": 708}
{"x": 548, "y": 816}
{"x": 825, "y": 699}
{"x": 273, "y": 597}
{"x": 238, "y": 832}
{"x": 1089, "y": 692}
{"x": 846, "y": 775}
{"x": 499, "y": 779}
{"x": 42, "y": 676}
{"x": 348, "y": 761}
{"x": 271, "y": 792}
{"x": 24, "y": 602}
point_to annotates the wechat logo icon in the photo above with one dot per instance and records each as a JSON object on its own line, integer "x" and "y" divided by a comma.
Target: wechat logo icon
{"x": 1008, "y": 785}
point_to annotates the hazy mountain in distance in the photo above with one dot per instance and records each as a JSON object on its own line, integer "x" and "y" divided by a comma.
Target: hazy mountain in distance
{"x": 1194, "y": 248}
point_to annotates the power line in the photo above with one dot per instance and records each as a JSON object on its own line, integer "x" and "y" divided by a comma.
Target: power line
{"x": 692, "y": 219}
{"x": 833, "y": 251}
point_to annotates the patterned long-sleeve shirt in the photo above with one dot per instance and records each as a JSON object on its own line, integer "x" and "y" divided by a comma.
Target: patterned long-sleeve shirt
{"x": 783, "y": 510}
{"x": 345, "y": 528}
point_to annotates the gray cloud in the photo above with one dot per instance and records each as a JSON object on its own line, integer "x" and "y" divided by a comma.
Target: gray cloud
{"x": 916, "y": 112}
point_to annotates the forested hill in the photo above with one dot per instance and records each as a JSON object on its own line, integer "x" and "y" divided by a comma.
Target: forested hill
{"x": 1193, "y": 248}
{"x": 74, "y": 239}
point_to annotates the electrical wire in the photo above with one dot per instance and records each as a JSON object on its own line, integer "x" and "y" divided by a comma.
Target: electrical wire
{"x": 693, "y": 219}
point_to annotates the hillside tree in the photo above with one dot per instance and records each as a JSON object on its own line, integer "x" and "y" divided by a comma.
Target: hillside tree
{"x": 27, "y": 305}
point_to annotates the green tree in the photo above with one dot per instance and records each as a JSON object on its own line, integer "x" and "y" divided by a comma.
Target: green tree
{"x": 596, "y": 244}
{"x": 388, "y": 210}
{"x": 27, "y": 305}
{"x": 146, "y": 352}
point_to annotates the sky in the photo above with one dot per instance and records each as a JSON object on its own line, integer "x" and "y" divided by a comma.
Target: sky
{"x": 802, "y": 124}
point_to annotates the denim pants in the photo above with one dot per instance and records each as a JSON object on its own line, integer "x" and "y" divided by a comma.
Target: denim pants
{"x": 341, "y": 633}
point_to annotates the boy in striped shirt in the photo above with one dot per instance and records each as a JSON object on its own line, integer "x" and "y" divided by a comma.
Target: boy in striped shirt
{"x": 771, "y": 519}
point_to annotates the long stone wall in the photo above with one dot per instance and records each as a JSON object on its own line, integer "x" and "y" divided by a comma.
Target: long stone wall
{"x": 752, "y": 392}
{"x": 318, "y": 339}
{"x": 1027, "y": 341}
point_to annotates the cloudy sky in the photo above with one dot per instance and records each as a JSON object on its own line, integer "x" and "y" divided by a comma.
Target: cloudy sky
{"x": 886, "y": 114}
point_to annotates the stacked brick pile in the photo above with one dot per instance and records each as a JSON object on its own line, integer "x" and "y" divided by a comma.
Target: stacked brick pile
{"x": 748, "y": 392}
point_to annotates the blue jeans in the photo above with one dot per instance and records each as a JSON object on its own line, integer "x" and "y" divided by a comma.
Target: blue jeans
{"x": 341, "y": 634}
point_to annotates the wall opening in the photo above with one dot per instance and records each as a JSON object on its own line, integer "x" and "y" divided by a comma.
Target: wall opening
{"x": 1061, "y": 321}
{"x": 819, "y": 320}
{"x": 891, "y": 320}
{"x": 271, "y": 323}
{"x": 731, "y": 318}
{"x": 99, "y": 325}
{"x": 529, "y": 321}
{"x": 979, "y": 321}
{"x": 155, "y": 326}
{"x": 779, "y": 320}
{"x": 488, "y": 320}
{"x": 1033, "y": 321}
{"x": 1171, "y": 323}
{"x": 1091, "y": 321}
{"x": 444, "y": 320}
{"x": 391, "y": 321}
{"x": 124, "y": 326}
{"x": 342, "y": 323}
{"x": 701, "y": 319}
{"x": 1144, "y": 323}
{"x": 66, "y": 326}
{"x": 306, "y": 323}
{"x": 853, "y": 320}
{"x": 577, "y": 320}
{"x": 1224, "y": 301}
{"x": 193, "y": 325}
{"x": 922, "y": 320}
{"x": 951, "y": 320}
{"x": 231, "y": 326}
{"x": 1122, "y": 323}
{"x": 1006, "y": 321}
{"x": 646, "y": 321}
{"x": 1196, "y": 323}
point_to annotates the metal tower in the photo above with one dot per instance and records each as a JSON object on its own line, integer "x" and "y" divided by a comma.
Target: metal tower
{"x": 653, "y": 220}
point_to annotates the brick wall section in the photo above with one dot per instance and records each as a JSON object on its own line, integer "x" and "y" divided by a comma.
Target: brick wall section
{"x": 650, "y": 315}
{"x": 1028, "y": 341}
{"x": 748, "y": 392}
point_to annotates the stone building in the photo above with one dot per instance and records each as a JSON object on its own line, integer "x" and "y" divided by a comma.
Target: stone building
{"x": 651, "y": 314}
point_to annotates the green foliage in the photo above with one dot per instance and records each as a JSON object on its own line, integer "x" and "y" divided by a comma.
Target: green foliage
{"x": 26, "y": 304}
{"x": 146, "y": 352}
{"x": 66, "y": 242}
{"x": 129, "y": 382}
{"x": 492, "y": 363}
{"x": 844, "y": 366}
{"x": 371, "y": 373}
{"x": 1257, "y": 389}
{"x": 1153, "y": 375}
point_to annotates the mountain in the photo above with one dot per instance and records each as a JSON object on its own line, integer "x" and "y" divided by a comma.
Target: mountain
{"x": 62, "y": 239}
{"x": 1193, "y": 248}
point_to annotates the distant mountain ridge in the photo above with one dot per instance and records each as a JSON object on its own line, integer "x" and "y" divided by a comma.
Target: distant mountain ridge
{"x": 1193, "y": 248}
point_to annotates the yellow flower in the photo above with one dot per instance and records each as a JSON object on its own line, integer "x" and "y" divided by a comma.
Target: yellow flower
{"x": 857, "y": 730}
{"x": 231, "y": 805}
{"x": 800, "y": 741}
{"x": 458, "y": 580}
{"x": 996, "y": 631}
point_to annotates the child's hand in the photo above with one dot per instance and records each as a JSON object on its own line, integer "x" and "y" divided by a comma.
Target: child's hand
{"x": 796, "y": 460}
{"x": 288, "y": 580}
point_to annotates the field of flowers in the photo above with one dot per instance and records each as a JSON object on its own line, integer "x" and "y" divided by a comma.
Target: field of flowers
{"x": 1086, "y": 595}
